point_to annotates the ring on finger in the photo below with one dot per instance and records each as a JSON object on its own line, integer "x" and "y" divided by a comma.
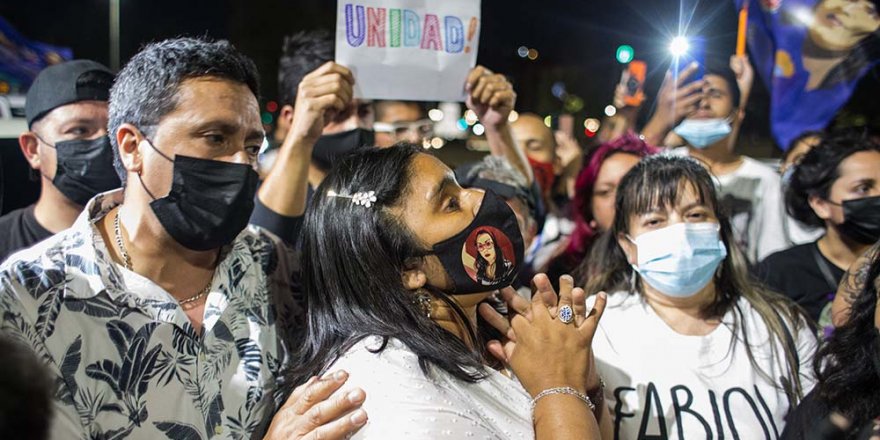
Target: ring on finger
{"x": 566, "y": 314}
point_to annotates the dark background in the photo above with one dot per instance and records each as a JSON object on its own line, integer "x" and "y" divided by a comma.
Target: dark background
{"x": 576, "y": 41}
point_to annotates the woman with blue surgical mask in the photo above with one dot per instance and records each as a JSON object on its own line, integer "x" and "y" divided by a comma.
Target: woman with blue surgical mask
{"x": 688, "y": 347}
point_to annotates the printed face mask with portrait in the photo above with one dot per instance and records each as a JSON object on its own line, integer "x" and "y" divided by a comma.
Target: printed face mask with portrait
{"x": 210, "y": 201}
{"x": 488, "y": 253}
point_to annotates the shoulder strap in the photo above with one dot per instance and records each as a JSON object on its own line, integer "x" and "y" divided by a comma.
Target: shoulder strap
{"x": 823, "y": 267}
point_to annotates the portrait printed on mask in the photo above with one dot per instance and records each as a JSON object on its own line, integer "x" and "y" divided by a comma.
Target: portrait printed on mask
{"x": 487, "y": 255}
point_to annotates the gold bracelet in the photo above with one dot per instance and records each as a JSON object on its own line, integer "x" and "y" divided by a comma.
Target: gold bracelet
{"x": 561, "y": 390}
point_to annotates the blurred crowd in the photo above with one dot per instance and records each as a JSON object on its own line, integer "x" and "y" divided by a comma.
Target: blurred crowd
{"x": 185, "y": 274}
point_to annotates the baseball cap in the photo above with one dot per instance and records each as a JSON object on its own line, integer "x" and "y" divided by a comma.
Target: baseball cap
{"x": 66, "y": 83}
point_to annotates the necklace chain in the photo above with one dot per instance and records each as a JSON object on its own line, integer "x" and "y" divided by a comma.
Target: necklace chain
{"x": 126, "y": 260}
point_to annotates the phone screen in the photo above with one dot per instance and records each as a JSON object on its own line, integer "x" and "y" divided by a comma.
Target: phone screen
{"x": 696, "y": 53}
{"x": 634, "y": 82}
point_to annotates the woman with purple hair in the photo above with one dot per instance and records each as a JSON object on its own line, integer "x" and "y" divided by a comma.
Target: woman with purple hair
{"x": 593, "y": 201}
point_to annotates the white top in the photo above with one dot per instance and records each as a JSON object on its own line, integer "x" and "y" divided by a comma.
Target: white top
{"x": 402, "y": 403}
{"x": 662, "y": 383}
{"x": 752, "y": 195}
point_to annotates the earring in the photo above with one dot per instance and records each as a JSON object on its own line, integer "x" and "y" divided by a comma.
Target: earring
{"x": 632, "y": 281}
{"x": 422, "y": 299}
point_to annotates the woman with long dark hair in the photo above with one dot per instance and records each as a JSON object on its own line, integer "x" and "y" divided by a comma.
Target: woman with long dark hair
{"x": 689, "y": 348}
{"x": 593, "y": 202}
{"x": 836, "y": 187}
{"x": 391, "y": 302}
{"x": 847, "y": 367}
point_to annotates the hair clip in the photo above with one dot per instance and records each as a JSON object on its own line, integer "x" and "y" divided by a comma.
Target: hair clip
{"x": 365, "y": 199}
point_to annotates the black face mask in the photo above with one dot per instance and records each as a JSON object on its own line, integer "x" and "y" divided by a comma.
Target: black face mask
{"x": 488, "y": 253}
{"x": 85, "y": 168}
{"x": 209, "y": 204}
{"x": 861, "y": 219}
{"x": 329, "y": 148}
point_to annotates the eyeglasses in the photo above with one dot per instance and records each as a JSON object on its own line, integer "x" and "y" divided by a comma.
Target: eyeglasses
{"x": 485, "y": 245}
{"x": 423, "y": 128}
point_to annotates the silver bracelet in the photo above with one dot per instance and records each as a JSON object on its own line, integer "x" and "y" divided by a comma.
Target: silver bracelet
{"x": 561, "y": 390}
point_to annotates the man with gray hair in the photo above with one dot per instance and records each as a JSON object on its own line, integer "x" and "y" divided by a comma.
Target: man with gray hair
{"x": 161, "y": 313}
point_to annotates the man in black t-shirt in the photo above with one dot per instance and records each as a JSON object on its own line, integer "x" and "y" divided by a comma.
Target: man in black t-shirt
{"x": 66, "y": 145}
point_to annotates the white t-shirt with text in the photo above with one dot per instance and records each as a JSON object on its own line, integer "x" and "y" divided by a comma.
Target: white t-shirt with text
{"x": 661, "y": 384}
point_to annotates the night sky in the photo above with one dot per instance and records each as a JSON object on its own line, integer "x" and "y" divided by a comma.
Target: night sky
{"x": 576, "y": 40}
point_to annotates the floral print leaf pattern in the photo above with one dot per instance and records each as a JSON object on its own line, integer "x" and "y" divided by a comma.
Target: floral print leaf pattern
{"x": 38, "y": 280}
{"x": 70, "y": 365}
{"x": 108, "y": 372}
{"x": 47, "y": 314}
{"x": 126, "y": 361}
{"x": 96, "y": 307}
{"x": 251, "y": 357}
{"x": 179, "y": 430}
{"x": 117, "y": 434}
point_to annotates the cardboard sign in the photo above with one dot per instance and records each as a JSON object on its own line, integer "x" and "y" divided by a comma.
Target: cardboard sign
{"x": 414, "y": 50}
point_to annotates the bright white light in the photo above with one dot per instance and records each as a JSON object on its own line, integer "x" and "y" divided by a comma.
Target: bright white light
{"x": 470, "y": 117}
{"x": 592, "y": 124}
{"x": 437, "y": 143}
{"x": 479, "y": 129}
{"x": 610, "y": 111}
{"x": 435, "y": 114}
{"x": 679, "y": 46}
{"x": 513, "y": 116}
{"x": 803, "y": 15}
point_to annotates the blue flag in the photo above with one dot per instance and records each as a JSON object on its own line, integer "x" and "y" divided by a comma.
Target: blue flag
{"x": 21, "y": 59}
{"x": 810, "y": 54}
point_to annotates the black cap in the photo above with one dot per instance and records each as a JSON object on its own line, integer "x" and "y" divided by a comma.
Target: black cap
{"x": 66, "y": 83}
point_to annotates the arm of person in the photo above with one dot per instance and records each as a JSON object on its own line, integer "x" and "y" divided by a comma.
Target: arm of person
{"x": 675, "y": 101}
{"x": 315, "y": 410}
{"x": 288, "y": 228}
{"x": 745, "y": 77}
{"x": 492, "y": 98}
{"x": 322, "y": 94}
{"x": 851, "y": 285}
{"x": 571, "y": 158}
{"x": 545, "y": 353}
{"x": 625, "y": 119}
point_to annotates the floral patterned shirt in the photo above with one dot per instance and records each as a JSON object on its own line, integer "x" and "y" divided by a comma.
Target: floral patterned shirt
{"x": 127, "y": 362}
